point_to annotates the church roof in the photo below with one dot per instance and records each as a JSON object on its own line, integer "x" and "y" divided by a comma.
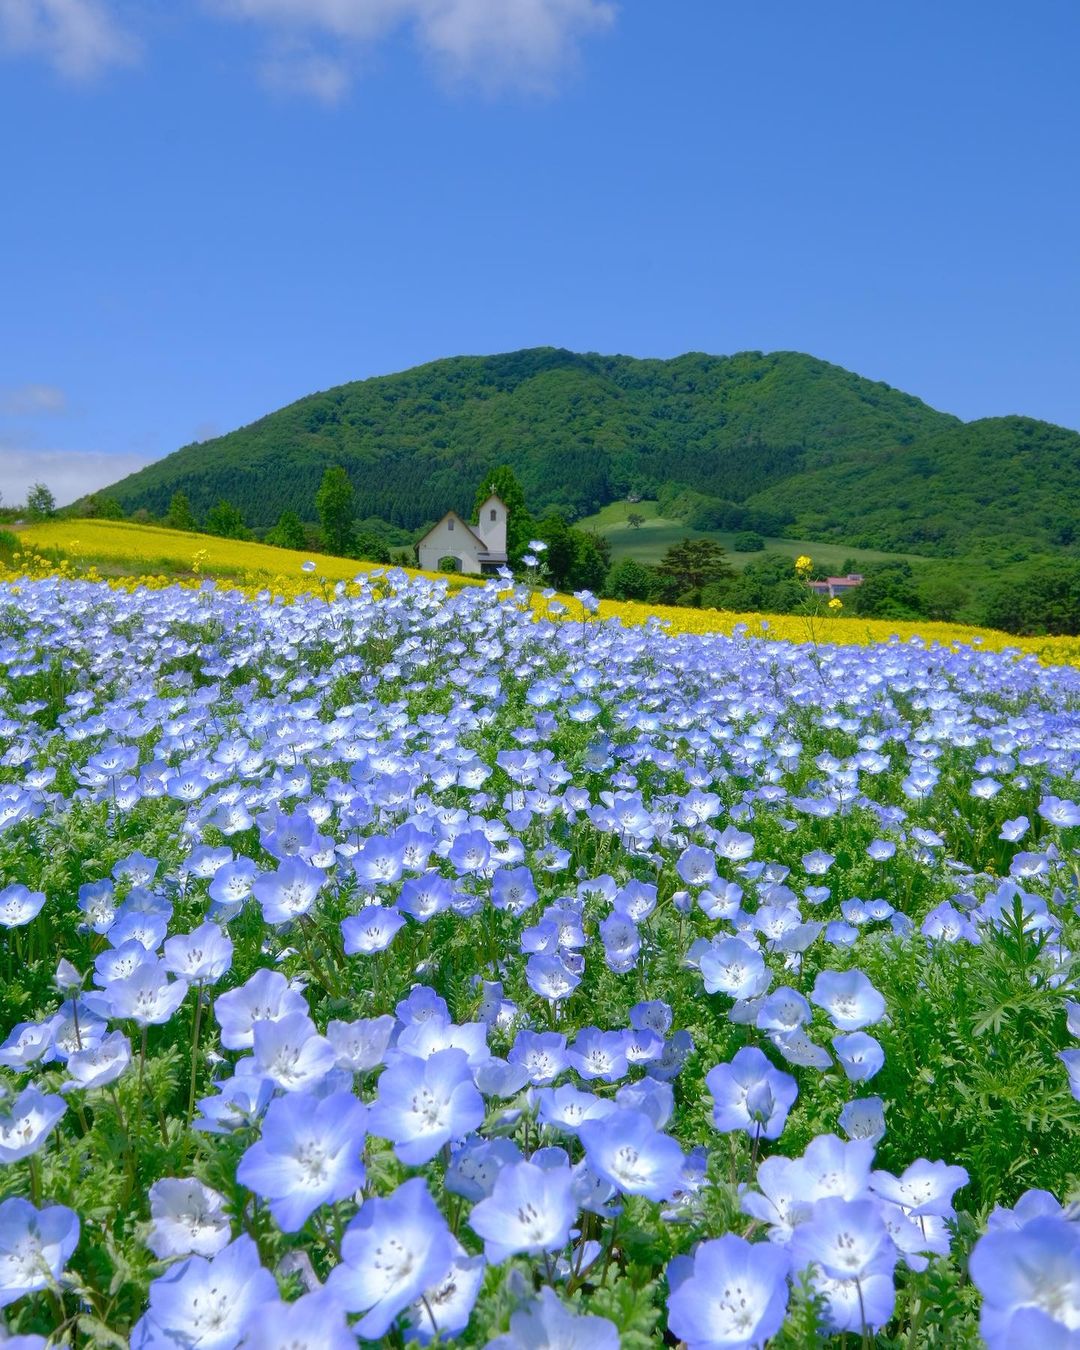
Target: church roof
{"x": 453, "y": 515}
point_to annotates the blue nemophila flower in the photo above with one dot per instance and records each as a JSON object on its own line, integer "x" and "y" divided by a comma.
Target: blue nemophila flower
{"x": 830, "y": 1166}
{"x": 138, "y": 924}
{"x": 99, "y": 1064}
{"x": 778, "y": 1200}
{"x": 425, "y": 896}
{"x": 1033, "y": 1204}
{"x": 444, "y": 1308}
{"x": 655, "y": 1098}
{"x": 547, "y": 1324}
{"x": 18, "y": 905}
{"x": 35, "y": 1245}
{"x": 750, "y": 1094}
{"x": 266, "y": 997}
{"x": 308, "y": 1154}
{"x": 945, "y": 923}
{"x": 98, "y": 902}
{"x": 232, "y": 884}
{"x": 423, "y": 1039}
{"x": 208, "y": 1303}
{"x": 360, "y": 1046}
{"x": 732, "y": 1295}
{"x": 697, "y": 866}
{"x": 851, "y": 1257}
{"x": 394, "y": 1250}
{"x": 627, "y": 1150}
{"x": 1029, "y": 1279}
{"x": 201, "y": 957}
{"x": 423, "y": 1104}
{"x": 735, "y": 845}
{"x": 146, "y": 996}
{"x": 316, "y": 1321}
{"x": 541, "y": 1053}
{"x": 864, "y": 1119}
{"x": 849, "y": 998}
{"x": 136, "y": 869}
{"x": 550, "y": 977}
{"x": 1012, "y": 831}
{"x": 290, "y": 891}
{"x": 860, "y": 1055}
{"x": 566, "y": 1107}
{"x": 1059, "y": 812}
{"x": 513, "y": 890}
{"x": 291, "y": 1053}
{"x": 187, "y": 1218}
{"x": 845, "y": 1239}
{"x": 239, "y": 1103}
{"x": 922, "y": 1189}
{"x": 733, "y": 967}
{"x": 654, "y": 1015}
{"x": 783, "y": 1011}
{"x": 422, "y": 1004}
{"x": 26, "y": 1121}
{"x": 26, "y": 1044}
{"x": 117, "y": 963}
{"x": 599, "y": 1054}
{"x": 370, "y": 931}
{"x": 530, "y": 1209}
{"x": 622, "y": 942}
{"x": 474, "y": 1166}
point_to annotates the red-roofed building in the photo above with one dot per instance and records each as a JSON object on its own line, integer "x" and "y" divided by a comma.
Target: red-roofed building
{"x": 836, "y": 586}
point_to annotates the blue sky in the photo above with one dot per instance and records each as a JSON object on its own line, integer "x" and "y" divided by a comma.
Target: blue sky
{"x": 213, "y": 207}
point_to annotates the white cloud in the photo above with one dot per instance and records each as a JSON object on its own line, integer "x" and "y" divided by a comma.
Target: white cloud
{"x": 29, "y": 400}
{"x": 494, "y": 43}
{"x": 68, "y": 474}
{"x": 78, "y": 38}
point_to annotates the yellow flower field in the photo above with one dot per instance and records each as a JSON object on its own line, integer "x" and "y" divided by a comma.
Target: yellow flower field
{"x": 154, "y": 556}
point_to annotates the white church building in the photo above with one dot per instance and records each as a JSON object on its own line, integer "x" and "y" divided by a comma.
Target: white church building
{"x": 478, "y": 548}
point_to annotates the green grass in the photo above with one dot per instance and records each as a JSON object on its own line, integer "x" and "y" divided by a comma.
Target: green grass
{"x": 647, "y": 543}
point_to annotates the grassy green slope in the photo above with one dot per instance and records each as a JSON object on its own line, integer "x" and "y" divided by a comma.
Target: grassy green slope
{"x": 647, "y": 543}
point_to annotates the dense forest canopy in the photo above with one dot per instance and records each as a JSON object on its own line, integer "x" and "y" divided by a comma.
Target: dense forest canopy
{"x": 779, "y": 442}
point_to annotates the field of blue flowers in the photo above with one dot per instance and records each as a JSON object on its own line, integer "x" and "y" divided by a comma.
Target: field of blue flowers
{"x": 400, "y": 969}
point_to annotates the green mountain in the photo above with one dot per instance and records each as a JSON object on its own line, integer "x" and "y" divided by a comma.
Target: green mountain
{"x": 778, "y": 441}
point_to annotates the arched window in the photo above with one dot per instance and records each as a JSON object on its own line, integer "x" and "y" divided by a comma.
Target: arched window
{"x": 494, "y": 514}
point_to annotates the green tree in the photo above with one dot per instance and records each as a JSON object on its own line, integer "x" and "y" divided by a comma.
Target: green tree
{"x": 180, "y": 515}
{"x": 630, "y": 580}
{"x": 1044, "y": 599}
{"x": 225, "y": 520}
{"x": 888, "y": 591}
{"x": 942, "y": 598}
{"x": 288, "y": 532}
{"x": 372, "y": 547}
{"x": 635, "y": 520}
{"x": 559, "y": 555}
{"x": 749, "y": 541}
{"x": 40, "y": 503}
{"x": 767, "y": 584}
{"x": 691, "y": 564}
{"x": 591, "y": 561}
{"x": 520, "y": 526}
{"x": 335, "y": 503}
{"x": 97, "y": 507}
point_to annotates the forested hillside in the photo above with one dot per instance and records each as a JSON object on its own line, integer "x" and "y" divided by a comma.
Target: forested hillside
{"x": 779, "y": 442}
